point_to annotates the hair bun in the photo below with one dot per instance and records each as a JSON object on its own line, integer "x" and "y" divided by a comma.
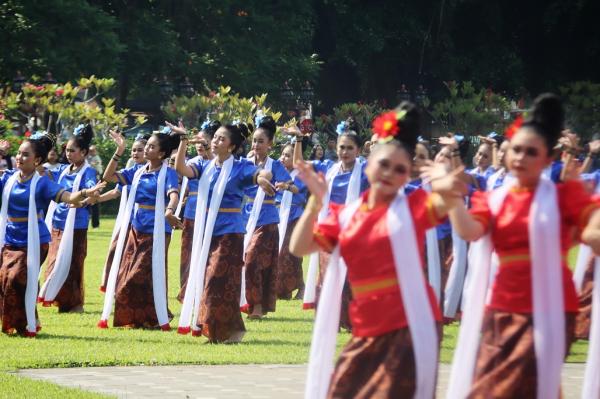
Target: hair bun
{"x": 548, "y": 113}
{"x": 243, "y": 130}
{"x": 409, "y": 126}
{"x": 267, "y": 123}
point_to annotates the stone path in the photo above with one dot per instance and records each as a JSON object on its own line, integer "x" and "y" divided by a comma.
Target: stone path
{"x": 220, "y": 382}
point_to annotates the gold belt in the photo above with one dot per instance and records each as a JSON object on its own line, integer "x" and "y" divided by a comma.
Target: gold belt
{"x": 192, "y": 193}
{"x": 523, "y": 257}
{"x": 229, "y": 210}
{"x": 270, "y": 202}
{"x": 363, "y": 289}
{"x": 23, "y": 219}
{"x": 150, "y": 207}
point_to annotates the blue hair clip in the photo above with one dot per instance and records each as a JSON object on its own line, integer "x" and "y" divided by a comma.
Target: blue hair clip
{"x": 165, "y": 130}
{"x": 341, "y": 128}
{"x": 258, "y": 119}
{"x": 420, "y": 139}
{"x": 205, "y": 124}
{"x": 236, "y": 122}
{"x": 492, "y": 135}
{"x": 38, "y": 135}
{"x": 459, "y": 137}
{"x": 140, "y": 136}
{"x": 78, "y": 130}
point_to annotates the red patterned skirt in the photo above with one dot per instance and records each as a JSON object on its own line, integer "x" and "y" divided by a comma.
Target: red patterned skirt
{"x": 13, "y": 283}
{"x": 506, "y": 363}
{"x": 134, "y": 294}
{"x": 345, "y": 322}
{"x": 261, "y": 268}
{"x": 187, "y": 238}
{"x": 584, "y": 317}
{"x": 72, "y": 293}
{"x": 380, "y": 367}
{"x": 289, "y": 268}
{"x": 220, "y": 317}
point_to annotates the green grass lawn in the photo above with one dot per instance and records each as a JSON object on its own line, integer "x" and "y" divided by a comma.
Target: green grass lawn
{"x": 72, "y": 340}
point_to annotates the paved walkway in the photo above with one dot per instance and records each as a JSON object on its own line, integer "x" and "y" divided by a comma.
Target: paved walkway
{"x": 222, "y": 382}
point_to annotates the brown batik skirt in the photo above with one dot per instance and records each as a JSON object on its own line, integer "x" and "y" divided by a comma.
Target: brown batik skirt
{"x": 71, "y": 295}
{"x": 13, "y": 283}
{"x": 376, "y": 367}
{"x": 109, "y": 259}
{"x": 346, "y": 293}
{"x": 220, "y": 317}
{"x": 261, "y": 268}
{"x": 134, "y": 295}
{"x": 506, "y": 364}
{"x": 289, "y": 268}
{"x": 187, "y": 238}
{"x": 584, "y": 317}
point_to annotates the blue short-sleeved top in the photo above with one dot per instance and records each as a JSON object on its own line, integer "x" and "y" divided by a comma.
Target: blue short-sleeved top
{"x": 82, "y": 215}
{"x": 145, "y": 196}
{"x": 269, "y": 213}
{"x": 18, "y": 207}
{"x": 412, "y": 186}
{"x": 298, "y": 200}
{"x": 243, "y": 174}
{"x": 192, "y": 196}
{"x": 482, "y": 177}
{"x": 340, "y": 183}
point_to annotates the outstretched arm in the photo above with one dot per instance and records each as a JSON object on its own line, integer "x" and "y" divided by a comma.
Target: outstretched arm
{"x": 111, "y": 169}
{"x": 180, "y": 166}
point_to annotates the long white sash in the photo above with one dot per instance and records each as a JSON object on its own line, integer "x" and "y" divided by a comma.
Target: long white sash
{"x": 591, "y": 382}
{"x": 456, "y": 278}
{"x": 251, "y": 226}
{"x": 434, "y": 270}
{"x": 120, "y": 215}
{"x": 413, "y": 291}
{"x": 583, "y": 257}
{"x": 184, "y": 184}
{"x": 62, "y": 265}
{"x": 33, "y": 245}
{"x": 284, "y": 211}
{"x": 158, "y": 252}
{"x": 310, "y": 291}
{"x": 547, "y": 293}
{"x": 203, "y": 230}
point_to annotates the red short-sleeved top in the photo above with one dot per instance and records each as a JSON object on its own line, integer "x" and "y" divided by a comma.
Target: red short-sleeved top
{"x": 376, "y": 307}
{"x": 511, "y": 291}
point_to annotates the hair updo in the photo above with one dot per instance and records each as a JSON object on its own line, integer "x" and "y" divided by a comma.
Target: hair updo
{"x": 349, "y": 128}
{"x": 82, "y": 137}
{"x": 408, "y": 127}
{"x": 210, "y": 127}
{"x": 267, "y": 123}
{"x": 547, "y": 119}
{"x": 42, "y": 143}
{"x": 167, "y": 142}
{"x": 141, "y": 138}
{"x": 238, "y": 133}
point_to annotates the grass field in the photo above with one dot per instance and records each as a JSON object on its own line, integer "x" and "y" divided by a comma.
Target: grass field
{"x": 72, "y": 340}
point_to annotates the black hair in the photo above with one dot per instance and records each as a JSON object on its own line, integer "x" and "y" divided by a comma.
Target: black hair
{"x": 547, "y": 119}
{"x": 267, "y": 123}
{"x": 313, "y": 153}
{"x": 351, "y": 134}
{"x": 142, "y": 137}
{"x": 42, "y": 145}
{"x": 425, "y": 144}
{"x": 212, "y": 128}
{"x": 238, "y": 134}
{"x": 409, "y": 127}
{"x": 82, "y": 136}
{"x": 167, "y": 143}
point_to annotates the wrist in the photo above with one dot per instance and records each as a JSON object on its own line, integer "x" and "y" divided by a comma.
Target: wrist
{"x": 314, "y": 205}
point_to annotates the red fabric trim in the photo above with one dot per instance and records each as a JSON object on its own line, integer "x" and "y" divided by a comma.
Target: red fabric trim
{"x": 102, "y": 288}
{"x": 46, "y": 304}
{"x": 183, "y": 330}
{"x": 40, "y": 299}
{"x": 38, "y": 328}
{"x": 166, "y": 327}
{"x": 103, "y": 324}
{"x": 308, "y": 306}
{"x": 29, "y": 334}
{"x": 245, "y": 308}
{"x": 196, "y": 333}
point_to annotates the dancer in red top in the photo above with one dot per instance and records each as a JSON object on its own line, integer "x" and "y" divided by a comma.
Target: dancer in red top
{"x": 381, "y": 238}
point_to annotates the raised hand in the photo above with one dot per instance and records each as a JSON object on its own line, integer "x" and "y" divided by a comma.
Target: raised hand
{"x": 293, "y": 131}
{"x": 594, "y": 146}
{"x": 179, "y": 129}
{"x": 443, "y": 181}
{"x": 449, "y": 141}
{"x": 95, "y": 191}
{"x": 173, "y": 220}
{"x": 315, "y": 182}
{"x": 118, "y": 139}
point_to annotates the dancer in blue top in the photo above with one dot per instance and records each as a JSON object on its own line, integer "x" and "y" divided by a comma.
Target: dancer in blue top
{"x": 18, "y": 275}
{"x": 262, "y": 233}
{"x": 137, "y": 300}
{"x": 289, "y": 268}
{"x": 201, "y": 143}
{"x": 219, "y": 317}
{"x": 70, "y": 298}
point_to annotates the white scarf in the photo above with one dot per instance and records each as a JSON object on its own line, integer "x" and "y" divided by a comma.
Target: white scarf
{"x": 413, "y": 290}
{"x": 203, "y": 230}
{"x": 583, "y": 256}
{"x": 591, "y": 382}
{"x": 310, "y": 291}
{"x": 434, "y": 271}
{"x": 120, "y": 215}
{"x": 547, "y": 295}
{"x": 62, "y": 265}
{"x": 251, "y": 226}
{"x": 456, "y": 278}
{"x": 33, "y": 245}
{"x": 158, "y": 251}
{"x": 284, "y": 211}
{"x": 184, "y": 184}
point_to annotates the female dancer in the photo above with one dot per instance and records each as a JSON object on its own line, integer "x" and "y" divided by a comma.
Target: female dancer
{"x": 262, "y": 234}
{"x": 528, "y": 322}
{"x": 202, "y": 139}
{"x": 317, "y": 153}
{"x": 137, "y": 154}
{"x": 394, "y": 349}
{"x": 24, "y": 235}
{"x": 140, "y": 261}
{"x": 68, "y": 248}
{"x": 346, "y": 180}
{"x": 218, "y": 244}
{"x": 291, "y": 204}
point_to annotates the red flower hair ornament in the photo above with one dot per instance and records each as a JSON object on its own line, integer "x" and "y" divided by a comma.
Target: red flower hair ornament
{"x": 385, "y": 126}
{"x": 514, "y": 127}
